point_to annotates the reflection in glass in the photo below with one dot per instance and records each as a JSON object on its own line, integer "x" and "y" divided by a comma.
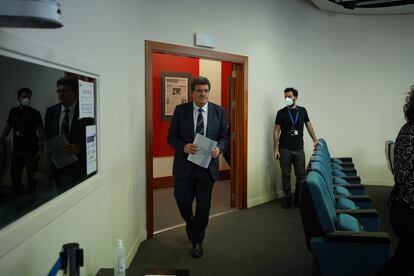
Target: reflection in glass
{"x": 43, "y": 141}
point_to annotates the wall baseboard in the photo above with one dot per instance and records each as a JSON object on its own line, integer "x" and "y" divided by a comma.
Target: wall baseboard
{"x": 163, "y": 182}
{"x": 168, "y": 181}
{"x": 261, "y": 199}
{"x": 378, "y": 182}
{"x": 135, "y": 246}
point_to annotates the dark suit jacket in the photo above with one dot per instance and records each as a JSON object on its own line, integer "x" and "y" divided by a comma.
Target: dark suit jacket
{"x": 181, "y": 132}
{"x": 77, "y": 130}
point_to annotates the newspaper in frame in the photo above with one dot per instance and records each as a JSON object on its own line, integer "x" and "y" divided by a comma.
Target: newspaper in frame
{"x": 176, "y": 92}
{"x": 203, "y": 155}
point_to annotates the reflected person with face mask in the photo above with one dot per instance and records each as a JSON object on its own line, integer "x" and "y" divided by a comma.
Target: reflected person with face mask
{"x": 288, "y": 143}
{"x": 28, "y": 136}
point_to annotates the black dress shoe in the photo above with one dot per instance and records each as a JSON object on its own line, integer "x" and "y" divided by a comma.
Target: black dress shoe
{"x": 197, "y": 250}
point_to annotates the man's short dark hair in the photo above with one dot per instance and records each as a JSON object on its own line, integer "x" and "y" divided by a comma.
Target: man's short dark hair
{"x": 24, "y": 90}
{"x": 200, "y": 81}
{"x": 73, "y": 83}
{"x": 293, "y": 90}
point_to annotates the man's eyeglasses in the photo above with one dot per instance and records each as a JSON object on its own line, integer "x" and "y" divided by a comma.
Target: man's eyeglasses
{"x": 202, "y": 91}
{"x": 58, "y": 91}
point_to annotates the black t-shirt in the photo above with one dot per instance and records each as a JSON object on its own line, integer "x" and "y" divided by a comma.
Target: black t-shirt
{"x": 286, "y": 140}
{"x": 24, "y": 121}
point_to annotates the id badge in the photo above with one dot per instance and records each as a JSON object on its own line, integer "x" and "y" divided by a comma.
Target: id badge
{"x": 293, "y": 132}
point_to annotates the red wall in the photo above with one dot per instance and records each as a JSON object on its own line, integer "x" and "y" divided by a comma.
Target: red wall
{"x": 166, "y": 63}
{"x": 171, "y": 63}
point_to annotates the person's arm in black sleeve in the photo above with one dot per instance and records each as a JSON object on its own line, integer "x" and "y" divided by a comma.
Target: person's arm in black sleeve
{"x": 6, "y": 130}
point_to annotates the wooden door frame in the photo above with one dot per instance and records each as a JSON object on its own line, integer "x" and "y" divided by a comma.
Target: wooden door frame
{"x": 239, "y": 130}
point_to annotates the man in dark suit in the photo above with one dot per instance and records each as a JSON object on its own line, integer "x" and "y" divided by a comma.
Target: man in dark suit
{"x": 193, "y": 181}
{"x": 63, "y": 119}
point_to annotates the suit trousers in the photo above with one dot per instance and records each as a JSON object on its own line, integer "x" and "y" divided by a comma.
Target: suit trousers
{"x": 19, "y": 161}
{"x": 287, "y": 159}
{"x": 198, "y": 185}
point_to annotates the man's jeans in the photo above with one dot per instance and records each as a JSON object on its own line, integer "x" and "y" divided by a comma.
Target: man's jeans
{"x": 287, "y": 159}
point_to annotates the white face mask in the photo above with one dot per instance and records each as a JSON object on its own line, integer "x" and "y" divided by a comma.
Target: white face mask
{"x": 288, "y": 101}
{"x": 25, "y": 102}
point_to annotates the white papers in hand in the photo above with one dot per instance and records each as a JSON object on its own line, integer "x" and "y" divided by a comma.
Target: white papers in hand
{"x": 203, "y": 155}
{"x": 59, "y": 157}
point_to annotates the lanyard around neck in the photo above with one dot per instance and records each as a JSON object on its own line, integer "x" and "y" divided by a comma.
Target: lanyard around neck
{"x": 291, "y": 117}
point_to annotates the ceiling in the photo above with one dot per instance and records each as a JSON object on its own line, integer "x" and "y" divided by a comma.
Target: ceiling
{"x": 394, "y": 6}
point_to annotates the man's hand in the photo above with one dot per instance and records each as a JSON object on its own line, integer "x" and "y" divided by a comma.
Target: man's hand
{"x": 276, "y": 154}
{"x": 315, "y": 143}
{"x": 190, "y": 148}
{"x": 72, "y": 148}
{"x": 215, "y": 152}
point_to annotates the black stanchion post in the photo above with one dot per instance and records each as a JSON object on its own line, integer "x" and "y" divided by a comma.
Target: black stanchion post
{"x": 71, "y": 259}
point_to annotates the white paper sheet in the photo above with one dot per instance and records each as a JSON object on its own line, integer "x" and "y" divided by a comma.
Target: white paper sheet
{"x": 90, "y": 149}
{"x": 203, "y": 155}
{"x": 86, "y": 100}
{"x": 59, "y": 157}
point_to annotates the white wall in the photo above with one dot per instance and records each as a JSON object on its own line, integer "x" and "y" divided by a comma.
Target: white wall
{"x": 351, "y": 72}
{"x": 106, "y": 36}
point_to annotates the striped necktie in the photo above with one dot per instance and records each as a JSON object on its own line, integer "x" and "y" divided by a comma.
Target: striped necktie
{"x": 200, "y": 122}
{"x": 65, "y": 125}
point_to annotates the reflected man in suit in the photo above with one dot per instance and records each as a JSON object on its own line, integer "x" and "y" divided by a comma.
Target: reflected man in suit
{"x": 192, "y": 181}
{"x": 63, "y": 119}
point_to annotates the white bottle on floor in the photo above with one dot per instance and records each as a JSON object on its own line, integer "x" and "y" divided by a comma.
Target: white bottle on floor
{"x": 119, "y": 268}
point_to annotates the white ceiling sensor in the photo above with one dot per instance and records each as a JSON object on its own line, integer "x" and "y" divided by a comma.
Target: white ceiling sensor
{"x": 366, "y": 6}
{"x": 30, "y": 14}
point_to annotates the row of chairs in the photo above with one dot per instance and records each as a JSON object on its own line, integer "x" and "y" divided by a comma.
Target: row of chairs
{"x": 341, "y": 227}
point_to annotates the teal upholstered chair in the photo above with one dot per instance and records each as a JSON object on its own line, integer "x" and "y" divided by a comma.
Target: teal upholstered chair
{"x": 337, "y": 240}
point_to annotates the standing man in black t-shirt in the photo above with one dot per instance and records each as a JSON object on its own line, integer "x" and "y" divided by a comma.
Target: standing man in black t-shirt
{"x": 288, "y": 143}
{"x": 28, "y": 134}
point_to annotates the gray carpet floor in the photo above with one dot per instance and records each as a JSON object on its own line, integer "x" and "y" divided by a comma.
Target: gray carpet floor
{"x": 263, "y": 240}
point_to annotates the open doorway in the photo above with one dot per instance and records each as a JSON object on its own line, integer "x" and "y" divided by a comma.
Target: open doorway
{"x": 228, "y": 73}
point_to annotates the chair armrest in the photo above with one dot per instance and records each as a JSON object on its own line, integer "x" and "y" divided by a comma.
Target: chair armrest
{"x": 359, "y": 213}
{"x": 351, "y": 179}
{"x": 347, "y": 166}
{"x": 349, "y": 172}
{"x": 351, "y": 187}
{"x": 356, "y": 198}
{"x": 344, "y": 159}
{"x": 360, "y": 237}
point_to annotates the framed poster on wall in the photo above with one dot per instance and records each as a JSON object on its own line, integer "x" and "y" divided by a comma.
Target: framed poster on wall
{"x": 175, "y": 90}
